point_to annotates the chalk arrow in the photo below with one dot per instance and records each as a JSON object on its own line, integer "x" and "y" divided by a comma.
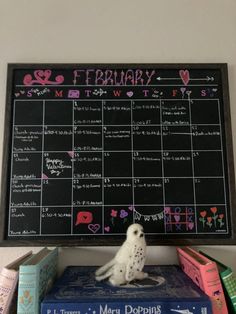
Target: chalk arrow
{"x": 208, "y": 78}
{"x": 167, "y": 78}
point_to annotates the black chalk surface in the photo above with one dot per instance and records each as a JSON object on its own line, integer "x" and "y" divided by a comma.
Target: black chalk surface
{"x": 91, "y": 149}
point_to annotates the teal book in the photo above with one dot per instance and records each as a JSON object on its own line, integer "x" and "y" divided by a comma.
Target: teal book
{"x": 228, "y": 280}
{"x": 36, "y": 277}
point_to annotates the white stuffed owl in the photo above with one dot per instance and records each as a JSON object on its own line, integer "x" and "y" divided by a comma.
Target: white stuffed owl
{"x": 128, "y": 263}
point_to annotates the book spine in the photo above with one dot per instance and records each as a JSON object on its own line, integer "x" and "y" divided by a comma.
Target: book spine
{"x": 229, "y": 282}
{"x": 213, "y": 288}
{"x": 207, "y": 278}
{"x": 8, "y": 281}
{"x": 27, "y": 290}
{"x": 191, "y": 268}
{"x": 152, "y": 307}
{"x": 47, "y": 270}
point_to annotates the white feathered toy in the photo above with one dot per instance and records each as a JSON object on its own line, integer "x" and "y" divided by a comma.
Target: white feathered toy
{"x": 128, "y": 263}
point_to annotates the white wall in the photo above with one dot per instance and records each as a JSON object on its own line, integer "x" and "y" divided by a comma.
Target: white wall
{"x": 118, "y": 31}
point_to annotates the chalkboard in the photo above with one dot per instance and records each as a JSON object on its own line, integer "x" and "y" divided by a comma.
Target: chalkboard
{"x": 91, "y": 148}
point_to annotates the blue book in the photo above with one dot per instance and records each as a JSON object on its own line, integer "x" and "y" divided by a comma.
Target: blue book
{"x": 167, "y": 290}
{"x": 36, "y": 277}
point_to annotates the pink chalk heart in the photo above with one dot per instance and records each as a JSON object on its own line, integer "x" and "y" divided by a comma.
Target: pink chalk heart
{"x": 94, "y": 227}
{"x": 177, "y": 218}
{"x": 42, "y": 76}
{"x": 184, "y": 74}
{"x": 44, "y": 176}
{"x": 190, "y": 225}
{"x": 123, "y": 213}
{"x": 107, "y": 229}
{"x": 129, "y": 94}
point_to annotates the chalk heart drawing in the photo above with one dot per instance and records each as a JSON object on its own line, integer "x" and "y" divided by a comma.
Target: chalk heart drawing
{"x": 107, "y": 229}
{"x": 177, "y": 218}
{"x": 94, "y": 227}
{"x": 130, "y": 94}
{"x": 191, "y": 225}
{"x": 184, "y": 74}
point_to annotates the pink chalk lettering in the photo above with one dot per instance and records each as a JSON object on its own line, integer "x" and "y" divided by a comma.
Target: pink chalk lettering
{"x": 98, "y": 77}
{"x": 88, "y": 76}
{"x": 119, "y": 79}
{"x": 77, "y": 75}
{"x": 203, "y": 93}
{"x": 174, "y": 92}
{"x": 108, "y": 77}
{"x": 138, "y": 77}
{"x": 117, "y": 93}
{"x": 146, "y": 92}
{"x": 88, "y": 92}
{"x": 149, "y": 76}
{"x": 129, "y": 77}
{"x": 59, "y": 93}
{"x": 113, "y": 77}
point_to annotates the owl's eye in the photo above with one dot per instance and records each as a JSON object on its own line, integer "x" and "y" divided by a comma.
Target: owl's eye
{"x": 136, "y": 232}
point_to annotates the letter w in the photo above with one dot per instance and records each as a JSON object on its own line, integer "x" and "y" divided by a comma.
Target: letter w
{"x": 117, "y": 93}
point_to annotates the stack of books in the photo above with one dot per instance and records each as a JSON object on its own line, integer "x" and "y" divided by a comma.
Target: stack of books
{"x": 198, "y": 285}
{"x": 24, "y": 283}
{"x": 214, "y": 278}
{"x": 167, "y": 290}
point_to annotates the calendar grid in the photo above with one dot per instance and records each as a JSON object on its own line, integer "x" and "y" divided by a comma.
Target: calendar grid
{"x": 41, "y": 196}
{"x": 165, "y": 179}
{"x": 192, "y": 159}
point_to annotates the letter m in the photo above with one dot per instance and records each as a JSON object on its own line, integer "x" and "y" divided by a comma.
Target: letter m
{"x": 58, "y": 93}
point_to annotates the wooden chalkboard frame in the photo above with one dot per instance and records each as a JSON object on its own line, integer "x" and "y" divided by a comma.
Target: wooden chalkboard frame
{"x": 109, "y": 240}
